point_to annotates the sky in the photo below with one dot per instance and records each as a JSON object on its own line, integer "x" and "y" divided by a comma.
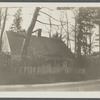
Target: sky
{"x": 27, "y": 13}
{"x": 27, "y": 17}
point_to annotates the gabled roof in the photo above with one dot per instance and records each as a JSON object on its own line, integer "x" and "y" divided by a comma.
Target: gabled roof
{"x": 15, "y": 43}
{"x": 48, "y": 47}
{"x": 5, "y": 44}
{"x": 40, "y": 46}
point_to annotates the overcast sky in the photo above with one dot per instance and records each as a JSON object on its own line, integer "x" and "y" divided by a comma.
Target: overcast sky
{"x": 27, "y": 13}
{"x": 27, "y": 17}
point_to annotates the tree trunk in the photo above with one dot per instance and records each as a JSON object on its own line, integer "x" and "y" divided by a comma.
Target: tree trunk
{"x": 50, "y": 27}
{"x": 0, "y": 16}
{"x": 67, "y": 30}
{"x": 75, "y": 39}
{"x": 79, "y": 42}
{"x": 29, "y": 33}
{"x": 90, "y": 40}
{"x": 90, "y": 46}
{"x": 2, "y": 31}
{"x": 99, "y": 40}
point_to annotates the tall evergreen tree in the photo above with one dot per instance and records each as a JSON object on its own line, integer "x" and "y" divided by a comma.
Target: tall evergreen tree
{"x": 16, "y": 26}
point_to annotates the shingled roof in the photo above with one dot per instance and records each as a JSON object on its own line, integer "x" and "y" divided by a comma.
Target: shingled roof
{"x": 15, "y": 43}
{"x": 40, "y": 46}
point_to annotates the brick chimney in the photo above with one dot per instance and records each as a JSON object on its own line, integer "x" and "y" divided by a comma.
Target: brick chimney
{"x": 39, "y": 32}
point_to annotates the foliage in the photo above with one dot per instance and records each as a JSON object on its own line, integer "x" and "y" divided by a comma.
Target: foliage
{"x": 85, "y": 25}
{"x": 16, "y": 26}
{"x": 56, "y": 36}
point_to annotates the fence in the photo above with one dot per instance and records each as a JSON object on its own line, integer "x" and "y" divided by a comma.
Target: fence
{"x": 68, "y": 67}
{"x": 42, "y": 73}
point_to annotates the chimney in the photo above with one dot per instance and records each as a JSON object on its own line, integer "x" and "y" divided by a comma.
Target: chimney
{"x": 39, "y": 32}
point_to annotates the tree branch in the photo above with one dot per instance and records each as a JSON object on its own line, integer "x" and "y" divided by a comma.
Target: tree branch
{"x": 48, "y": 8}
{"x": 47, "y": 23}
{"x": 63, "y": 28}
{"x": 29, "y": 33}
{"x": 50, "y": 16}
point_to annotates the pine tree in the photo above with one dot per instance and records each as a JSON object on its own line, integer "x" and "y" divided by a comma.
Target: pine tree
{"x": 16, "y": 26}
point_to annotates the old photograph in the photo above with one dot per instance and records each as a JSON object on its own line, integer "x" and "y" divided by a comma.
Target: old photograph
{"x": 51, "y": 47}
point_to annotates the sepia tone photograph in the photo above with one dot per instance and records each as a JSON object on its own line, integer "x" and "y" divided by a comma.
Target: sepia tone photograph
{"x": 49, "y": 47}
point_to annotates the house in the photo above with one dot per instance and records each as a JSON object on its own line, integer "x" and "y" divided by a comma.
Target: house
{"x": 45, "y": 55}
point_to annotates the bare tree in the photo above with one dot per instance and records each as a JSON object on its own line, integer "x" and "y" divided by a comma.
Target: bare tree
{"x": 51, "y": 24}
{"x": 3, "y": 27}
{"x": 0, "y": 16}
{"x": 50, "y": 27}
{"x": 29, "y": 33}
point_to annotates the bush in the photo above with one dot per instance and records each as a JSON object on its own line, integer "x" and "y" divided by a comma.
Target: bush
{"x": 4, "y": 59}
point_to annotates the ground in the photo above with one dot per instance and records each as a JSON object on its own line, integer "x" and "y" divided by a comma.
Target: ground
{"x": 93, "y": 85}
